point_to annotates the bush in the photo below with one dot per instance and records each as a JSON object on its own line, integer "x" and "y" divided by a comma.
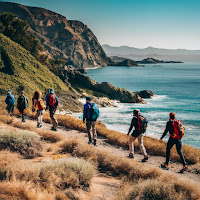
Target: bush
{"x": 61, "y": 173}
{"x": 24, "y": 142}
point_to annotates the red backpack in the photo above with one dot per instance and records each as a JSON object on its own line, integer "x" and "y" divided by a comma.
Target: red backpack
{"x": 142, "y": 124}
{"x": 179, "y": 131}
{"x": 52, "y": 100}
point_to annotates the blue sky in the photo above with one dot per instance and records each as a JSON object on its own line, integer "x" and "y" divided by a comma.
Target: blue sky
{"x": 137, "y": 23}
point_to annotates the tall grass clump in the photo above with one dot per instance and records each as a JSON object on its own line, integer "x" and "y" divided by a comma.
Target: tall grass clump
{"x": 153, "y": 189}
{"x": 56, "y": 174}
{"x": 27, "y": 143}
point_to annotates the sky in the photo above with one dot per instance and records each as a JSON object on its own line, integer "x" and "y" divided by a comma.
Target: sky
{"x": 172, "y": 24}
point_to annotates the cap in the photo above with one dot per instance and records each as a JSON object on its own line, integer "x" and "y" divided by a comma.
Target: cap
{"x": 51, "y": 91}
{"x": 88, "y": 98}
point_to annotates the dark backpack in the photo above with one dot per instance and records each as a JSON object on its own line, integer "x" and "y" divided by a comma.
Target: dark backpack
{"x": 94, "y": 112}
{"x": 22, "y": 102}
{"x": 52, "y": 100}
{"x": 142, "y": 124}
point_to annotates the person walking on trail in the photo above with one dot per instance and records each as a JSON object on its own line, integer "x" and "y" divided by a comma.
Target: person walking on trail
{"x": 176, "y": 131}
{"x": 140, "y": 124}
{"x": 52, "y": 103}
{"x": 90, "y": 114}
{"x": 10, "y": 101}
{"x": 38, "y": 106}
{"x": 22, "y": 104}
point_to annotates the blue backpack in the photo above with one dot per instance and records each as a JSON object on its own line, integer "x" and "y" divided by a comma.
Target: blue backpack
{"x": 94, "y": 112}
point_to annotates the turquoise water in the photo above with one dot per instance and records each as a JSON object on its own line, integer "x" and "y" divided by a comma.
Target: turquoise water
{"x": 177, "y": 87}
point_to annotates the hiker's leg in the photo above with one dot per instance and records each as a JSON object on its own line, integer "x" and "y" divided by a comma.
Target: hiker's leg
{"x": 141, "y": 145}
{"x": 94, "y": 133}
{"x": 131, "y": 144}
{"x": 52, "y": 111}
{"x": 8, "y": 108}
{"x": 41, "y": 116}
{"x": 37, "y": 117}
{"x": 12, "y": 110}
{"x": 178, "y": 148}
{"x": 55, "y": 122}
{"x": 170, "y": 144}
{"x": 23, "y": 116}
{"x": 88, "y": 125}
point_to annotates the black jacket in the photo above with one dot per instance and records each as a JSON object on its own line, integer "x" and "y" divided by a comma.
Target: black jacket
{"x": 169, "y": 128}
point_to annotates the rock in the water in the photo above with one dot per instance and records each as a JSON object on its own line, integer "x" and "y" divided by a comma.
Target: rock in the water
{"x": 145, "y": 94}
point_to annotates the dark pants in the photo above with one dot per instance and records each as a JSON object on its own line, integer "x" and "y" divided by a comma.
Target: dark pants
{"x": 23, "y": 114}
{"x": 178, "y": 144}
{"x": 10, "y": 109}
{"x": 52, "y": 112}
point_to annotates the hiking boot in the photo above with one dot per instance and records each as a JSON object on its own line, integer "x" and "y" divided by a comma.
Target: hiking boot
{"x": 54, "y": 129}
{"x": 131, "y": 156}
{"x": 23, "y": 120}
{"x": 95, "y": 142}
{"x": 39, "y": 125}
{"x": 185, "y": 168}
{"x": 165, "y": 166}
{"x": 145, "y": 159}
{"x": 90, "y": 142}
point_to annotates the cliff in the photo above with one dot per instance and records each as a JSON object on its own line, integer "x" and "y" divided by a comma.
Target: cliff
{"x": 61, "y": 38}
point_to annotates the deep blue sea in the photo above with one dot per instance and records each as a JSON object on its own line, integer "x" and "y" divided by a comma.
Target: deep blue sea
{"x": 177, "y": 87}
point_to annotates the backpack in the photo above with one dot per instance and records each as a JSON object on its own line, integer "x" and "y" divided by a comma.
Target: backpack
{"x": 142, "y": 124}
{"x": 40, "y": 104}
{"x": 179, "y": 130}
{"x": 22, "y": 102}
{"x": 94, "y": 112}
{"x": 52, "y": 100}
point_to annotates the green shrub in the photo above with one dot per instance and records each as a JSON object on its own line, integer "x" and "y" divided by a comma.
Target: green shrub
{"x": 24, "y": 142}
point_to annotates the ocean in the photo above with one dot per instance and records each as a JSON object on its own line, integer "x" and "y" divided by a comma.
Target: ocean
{"x": 177, "y": 87}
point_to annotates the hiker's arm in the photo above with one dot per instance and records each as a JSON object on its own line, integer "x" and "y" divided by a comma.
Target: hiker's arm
{"x": 57, "y": 100}
{"x": 84, "y": 113}
{"x": 47, "y": 100}
{"x": 131, "y": 126}
{"x": 165, "y": 132}
{"x": 27, "y": 101}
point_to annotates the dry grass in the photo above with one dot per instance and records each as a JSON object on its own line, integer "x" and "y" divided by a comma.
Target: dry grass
{"x": 15, "y": 190}
{"x": 153, "y": 146}
{"x": 24, "y": 142}
{"x": 46, "y": 135}
{"x": 56, "y": 174}
{"x": 133, "y": 171}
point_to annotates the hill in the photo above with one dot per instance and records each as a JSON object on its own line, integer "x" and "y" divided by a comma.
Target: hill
{"x": 61, "y": 38}
{"x": 19, "y": 71}
{"x": 157, "y": 53}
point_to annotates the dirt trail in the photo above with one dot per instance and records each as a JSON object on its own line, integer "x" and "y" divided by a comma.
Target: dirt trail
{"x": 175, "y": 167}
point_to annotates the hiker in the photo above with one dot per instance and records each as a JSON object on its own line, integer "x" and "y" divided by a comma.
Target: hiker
{"x": 52, "y": 103}
{"x": 90, "y": 114}
{"x": 22, "y": 104}
{"x": 38, "y": 105}
{"x": 10, "y": 101}
{"x": 140, "y": 124}
{"x": 176, "y": 131}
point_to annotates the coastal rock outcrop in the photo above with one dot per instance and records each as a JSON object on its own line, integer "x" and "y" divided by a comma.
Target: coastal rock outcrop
{"x": 124, "y": 96}
{"x": 104, "y": 89}
{"x": 155, "y": 61}
{"x": 146, "y": 94}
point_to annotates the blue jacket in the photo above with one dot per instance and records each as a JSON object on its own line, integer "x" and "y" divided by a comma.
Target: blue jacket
{"x": 86, "y": 111}
{"x": 10, "y": 100}
{"x": 47, "y": 100}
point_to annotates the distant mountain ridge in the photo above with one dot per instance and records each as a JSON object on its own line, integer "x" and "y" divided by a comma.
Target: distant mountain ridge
{"x": 157, "y": 53}
{"x": 61, "y": 38}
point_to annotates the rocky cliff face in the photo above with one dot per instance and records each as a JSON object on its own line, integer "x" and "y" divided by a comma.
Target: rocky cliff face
{"x": 79, "y": 80}
{"x": 61, "y": 38}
